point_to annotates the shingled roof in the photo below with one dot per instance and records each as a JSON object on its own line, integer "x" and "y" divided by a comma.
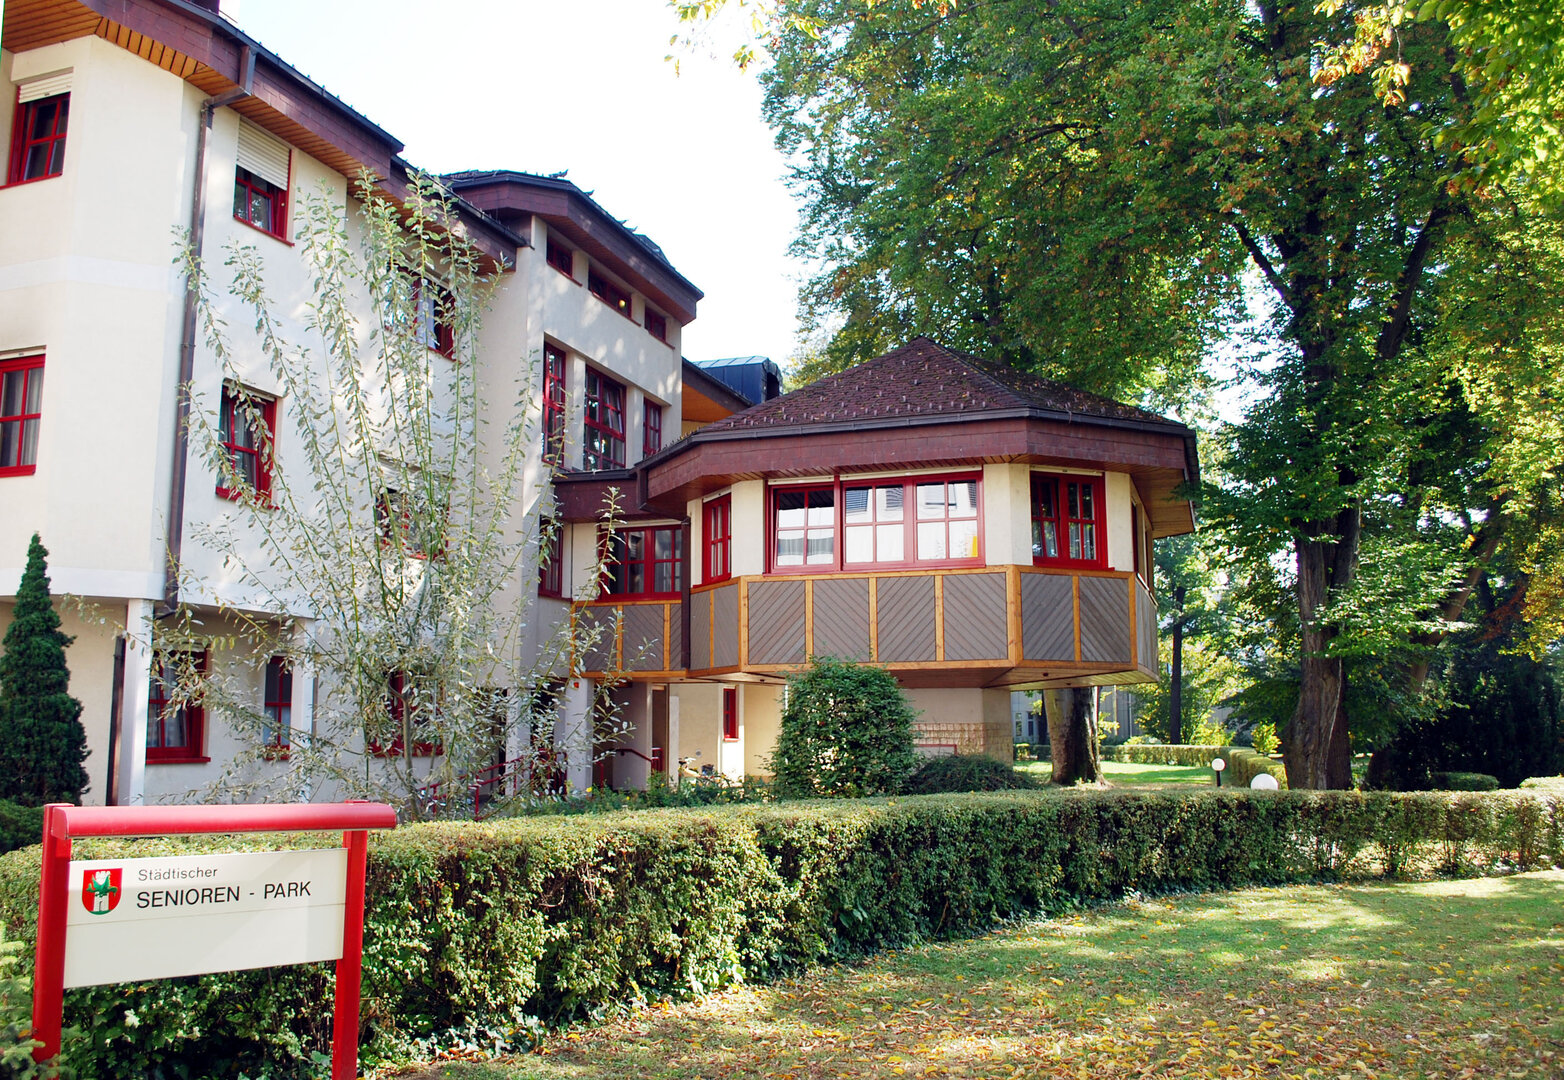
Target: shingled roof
{"x": 924, "y": 379}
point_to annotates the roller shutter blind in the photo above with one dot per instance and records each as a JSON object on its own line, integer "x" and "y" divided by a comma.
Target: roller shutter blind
{"x": 263, "y": 155}
{"x": 47, "y": 86}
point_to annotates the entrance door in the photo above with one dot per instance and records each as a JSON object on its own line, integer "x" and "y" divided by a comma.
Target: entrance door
{"x": 660, "y": 729}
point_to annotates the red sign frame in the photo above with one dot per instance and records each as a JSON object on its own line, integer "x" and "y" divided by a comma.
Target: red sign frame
{"x": 63, "y": 823}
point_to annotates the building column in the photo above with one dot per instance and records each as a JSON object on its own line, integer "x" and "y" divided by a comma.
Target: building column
{"x": 301, "y": 716}
{"x": 132, "y": 745}
{"x": 573, "y": 734}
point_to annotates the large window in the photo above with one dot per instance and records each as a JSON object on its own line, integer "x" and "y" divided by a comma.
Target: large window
{"x": 646, "y": 562}
{"x": 1067, "y": 521}
{"x": 604, "y": 436}
{"x": 176, "y": 722}
{"x": 893, "y": 522}
{"x": 38, "y": 139}
{"x": 21, "y": 410}
{"x": 277, "y": 706}
{"x": 717, "y": 530}
{"x": 553, "y": 403}
{"x": 247, "y": 426}
{"x": 652, "y": 429}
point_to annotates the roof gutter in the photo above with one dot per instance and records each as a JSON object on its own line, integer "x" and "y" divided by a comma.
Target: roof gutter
{"x": 179, "y": 467}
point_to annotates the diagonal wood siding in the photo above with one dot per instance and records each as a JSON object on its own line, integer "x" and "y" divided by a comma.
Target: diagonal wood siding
{"x": 725, "y": 622}
{"x": 1047, "y": 617}
{"x": 1105, "y": 620}
{"x": 841, "y": 618}
{"x": 700, "y": 631}
{"x": 976, "y": 627}
{"x": 904, "y": 609}
{"x": 776, "y": 622}
{"x": 603, "y": 655}
{"x": 675, "y": 656}
{"x": 1146, "y": 628}
{"x": 643, "y": 636}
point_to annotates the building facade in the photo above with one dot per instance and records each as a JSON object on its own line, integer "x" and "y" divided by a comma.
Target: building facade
{"x": 971, "y": 529}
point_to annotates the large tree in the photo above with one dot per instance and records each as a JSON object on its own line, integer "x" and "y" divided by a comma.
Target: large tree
{"x": 1084, "y": 188}
{"x": 44, "y": 744}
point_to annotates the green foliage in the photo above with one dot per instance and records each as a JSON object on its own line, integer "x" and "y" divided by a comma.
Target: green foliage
{"x": 1243, "y": 764}
{"x": 20, "y": 826}
{"x": 962, "y": 772}
{"x": 1263, "y": 739}
{"x": 1464, "y": 781}
{"x": 45, "y": 744}
{"x": 16, "y": 1021}
{"x": 479, "y": 932}
{"x": 846, "y": 732}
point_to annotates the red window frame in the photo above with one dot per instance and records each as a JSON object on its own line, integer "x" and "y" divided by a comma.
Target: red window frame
{"x": 394, "y": 523}
{"x": 906, "y": 527}
{"x": 432, "y": 309}
{"x": 555, "y": 365}
{"x": 651, "y": 429}
{"x": 730, "y": 714}
{"x": 551, "y": 560}
{"x": 808, "y": 530}
{"x": 274, "y": 220}
{"x": 25, "y": 145}
{"x": 398, "y": 689}
{"x": 24, "y": 377}
{"x": 657, "y": 325}
{"x": 159, "y": 705}
{"x": 717, "y": 532}
{"x": 277, "y": 706}
{"x": 635, "y": 562}
{"x": 560, "y": 257}
{"x": 1052, "y": 506}
{"x": 604, "y": 421}
{"x": 249, "y": 457}
{"x": 609, "y": 293}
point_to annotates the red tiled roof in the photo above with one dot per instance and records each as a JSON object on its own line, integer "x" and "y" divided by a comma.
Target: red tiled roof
{"x": 925, "y": 379}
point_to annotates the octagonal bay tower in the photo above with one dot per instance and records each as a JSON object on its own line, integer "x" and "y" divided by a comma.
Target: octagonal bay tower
{"x": 968, "y": 527}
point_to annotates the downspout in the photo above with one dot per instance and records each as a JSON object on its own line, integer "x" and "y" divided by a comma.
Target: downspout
{"x": 187, "y": 340}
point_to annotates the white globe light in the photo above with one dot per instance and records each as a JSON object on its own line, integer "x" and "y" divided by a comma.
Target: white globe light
{"x": 1264, "y": 782}
{"x": 1218, "y": 764}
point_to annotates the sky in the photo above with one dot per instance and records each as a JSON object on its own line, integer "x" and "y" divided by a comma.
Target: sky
{"x": 582, "y": 86}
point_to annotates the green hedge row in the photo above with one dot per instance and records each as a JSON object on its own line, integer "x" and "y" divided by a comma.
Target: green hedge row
{"x": 1243, "y": 764}
{"x": 478, "y": 933}
{"x": 19, "y": 825}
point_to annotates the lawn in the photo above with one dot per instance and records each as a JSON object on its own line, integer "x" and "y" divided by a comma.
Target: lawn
{"x": 1437, "y": 979}
{"x": 1124, "y": 774}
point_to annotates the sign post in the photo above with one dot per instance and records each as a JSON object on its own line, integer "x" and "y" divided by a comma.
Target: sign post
{"x": 121, "y": 920}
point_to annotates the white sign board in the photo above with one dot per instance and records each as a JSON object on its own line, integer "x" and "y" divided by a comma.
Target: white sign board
{"x": 135, "y": 919}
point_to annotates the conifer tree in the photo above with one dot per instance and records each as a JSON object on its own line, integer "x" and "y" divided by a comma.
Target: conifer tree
{"x": 42, "y": 741}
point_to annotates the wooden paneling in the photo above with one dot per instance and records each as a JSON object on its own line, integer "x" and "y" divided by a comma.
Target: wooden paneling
{"x": 1145, "y": 630}
{"x": 676, "y": 657}
{"x": 1105, "y": 620}
{"x": 602, "y": 655}
{"x": 975, "y": 620}
{"x": 643, "y": 637}
{"x": 725, "y": 626}
{"x": 905, "y": 613}
{"x": 776, "y": 622}
{"x": 1047, "y": 617}
{"x": 700, "y": 631}
{"x": 841, "y": 618}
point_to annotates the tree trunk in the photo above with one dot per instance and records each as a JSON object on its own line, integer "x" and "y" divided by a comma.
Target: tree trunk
{"x": 1320, "y": 719}
{"x": 1176, "y": 690}
{"x": 1072, "y": 736}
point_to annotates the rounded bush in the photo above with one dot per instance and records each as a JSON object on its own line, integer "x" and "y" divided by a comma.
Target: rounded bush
{"x": 846, "y": 733}
{"x": 1464, "y": 781}
{"x": 966, "y": 773}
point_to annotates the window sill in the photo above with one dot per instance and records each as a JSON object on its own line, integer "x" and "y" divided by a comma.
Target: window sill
{"x": 19, "y": 470}
{"x": 34, "y": 180}
{"x": 1069, "y": 564}
{"x": 565, "y": 274}
{"x": 274, "y": 753}
{"x": 262, "y": 499}
{"x": 279, "y": 237}
{"x": 177, "y": 760}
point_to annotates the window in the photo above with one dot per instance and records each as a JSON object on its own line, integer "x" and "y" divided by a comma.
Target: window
{"x": 432, "y": 317}
{"x": 717, "y": 529}
{"x": 551, "y": 560}
{"x": 646, "y": 562}
{"x": 1140, "y": 539}
{"x": 805, "y": 526}
{"x": 21, "y": 406}
{"x": 561, "y": 258}
{"x": 410, "y": 702}
{"x": 605, "y": 423}
{"x": 652, "y": 429}
{"x": 399, "y": 522}
{"x": 553, "y": 403}
{"x": 730, "y": 714}
{"x": 247, "y": 426}
{"x": 919, "y": 521}
{"x": 609, "y": 293}
{"x": 259, "y": 203}
{"x": 176, "y": 721}
{"x": 277, "y": 705}
{"x": 38, "y": 139}
{"x": 657, "y": 326}
{"x": 1067, "y": 527}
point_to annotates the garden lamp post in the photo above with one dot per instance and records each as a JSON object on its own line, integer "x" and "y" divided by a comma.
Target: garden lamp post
{"x": 1217, "y": 765}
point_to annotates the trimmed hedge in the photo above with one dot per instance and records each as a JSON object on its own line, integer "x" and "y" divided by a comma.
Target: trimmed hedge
{"x": 1243, "y": 764}
{"x": 477, "y": 933}
{"x": 19, "y": 825}
{"x": 967, "y": 772}
{"x": 1464, "y": 781}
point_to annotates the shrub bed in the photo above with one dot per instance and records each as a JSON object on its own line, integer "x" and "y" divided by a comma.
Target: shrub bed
{"x": 1464, "y": 781}
{"x": 478, "y": 933}
{"x": 19, "y": 825}
{"x": 1243, "y": 764}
